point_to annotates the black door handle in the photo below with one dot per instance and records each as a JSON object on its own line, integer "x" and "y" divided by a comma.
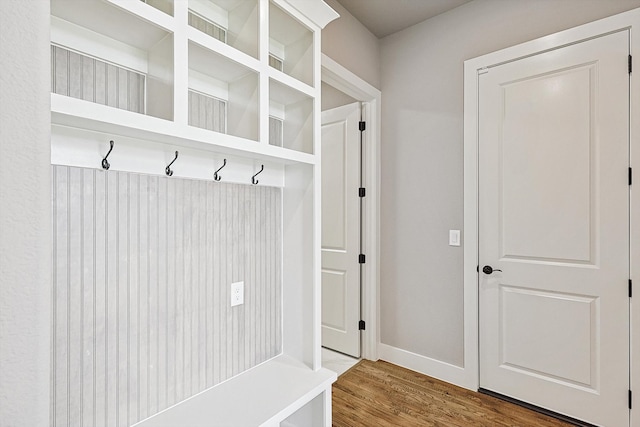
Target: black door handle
{"x": 487, "y": 269}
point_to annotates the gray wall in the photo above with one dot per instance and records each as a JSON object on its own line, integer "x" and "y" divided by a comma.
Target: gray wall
{"x": 422, "y": 170}
{"x": 25, "y": 233}
{"x": 350, "y": 44}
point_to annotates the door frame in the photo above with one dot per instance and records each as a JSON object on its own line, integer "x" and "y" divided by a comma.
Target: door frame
{"x": 344, "y": 80}
{"x": 472, "y": 69}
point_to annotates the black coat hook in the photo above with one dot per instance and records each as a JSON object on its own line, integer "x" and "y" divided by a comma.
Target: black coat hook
{"x": 168, "y": 170}
{"x": 217, "y": 177}
{"x": 105, "y": 163}
{"x": 254, "y": 181}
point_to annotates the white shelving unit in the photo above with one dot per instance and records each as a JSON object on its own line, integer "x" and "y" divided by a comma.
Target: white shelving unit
{"x": 198, "y": 76}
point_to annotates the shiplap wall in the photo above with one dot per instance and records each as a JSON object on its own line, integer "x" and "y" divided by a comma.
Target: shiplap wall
{"x": 207, "y": 27}
{"x": 142, "y": 267}
{"x": 207, "y": 112}
{"x": 83, "y": 77}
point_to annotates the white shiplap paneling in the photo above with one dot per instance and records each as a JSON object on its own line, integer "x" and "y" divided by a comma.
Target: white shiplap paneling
{"x": 80, "y": 76}
{"x": 141, "y": 310}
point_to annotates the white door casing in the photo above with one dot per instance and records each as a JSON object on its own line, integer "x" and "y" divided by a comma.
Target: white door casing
{"x": 341, "y": 229}
{"x": 554, "y": 217}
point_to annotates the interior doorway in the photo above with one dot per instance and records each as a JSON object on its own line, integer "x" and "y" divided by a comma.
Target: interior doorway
{"x": 340, "y": 87}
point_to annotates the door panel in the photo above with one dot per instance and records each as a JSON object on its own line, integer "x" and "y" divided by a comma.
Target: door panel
{"x": 554, "y": 217}
{"x": 530, "y": 343}
{"x": 539, "y": 112}
{"x": 341, "y": 229}
{"x": 334, "y": 180}
{"x": 334, "y": 295}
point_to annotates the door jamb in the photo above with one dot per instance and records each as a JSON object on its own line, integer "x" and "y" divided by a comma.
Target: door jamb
{"x": 472, "y": 69}
{"x": 344, "y": 80}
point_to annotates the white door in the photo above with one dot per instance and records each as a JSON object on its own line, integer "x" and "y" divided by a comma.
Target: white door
{"x": 341, "y": 229}
{"x": 554, "y": 217}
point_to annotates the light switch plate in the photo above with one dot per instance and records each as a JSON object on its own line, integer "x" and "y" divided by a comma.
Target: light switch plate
{"x": 237, "y": 293}
{"x": 454, "y": 237}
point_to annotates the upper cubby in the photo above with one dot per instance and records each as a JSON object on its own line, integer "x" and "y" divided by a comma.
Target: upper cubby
{"x": 234, "y": 22}
{"x": 290, "y": 45}
{"x": 291, "y": 118}
{"x": 223, "y": 94}
{"x": 109, "y": 55}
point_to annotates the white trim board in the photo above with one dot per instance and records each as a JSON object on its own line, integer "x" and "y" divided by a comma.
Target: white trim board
{"x": 423, "y": 364}
{"x": 344, "y": 80}
{"x": 627, "y": 20}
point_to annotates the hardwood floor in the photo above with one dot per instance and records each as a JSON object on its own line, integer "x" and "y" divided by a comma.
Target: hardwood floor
{"x": 375, "y": 394}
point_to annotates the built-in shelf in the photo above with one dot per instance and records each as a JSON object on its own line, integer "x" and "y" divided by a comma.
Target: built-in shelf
{"x": 276, "y": 390}
{"x": 81, "y": 114}
{"x": 286, "y": 80}
{"x": 222, "y": 48}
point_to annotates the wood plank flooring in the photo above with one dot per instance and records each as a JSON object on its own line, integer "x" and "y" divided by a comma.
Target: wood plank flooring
{"x": 373, "y": 394}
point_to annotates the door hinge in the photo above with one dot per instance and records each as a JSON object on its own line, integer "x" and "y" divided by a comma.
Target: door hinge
{"x": 362, "y": 126}
{"x": 630, "y": 288}
{"x": 630, "y": 399}
{"x": 361, "y": 259}
{"x": 361, "y": 325}
{"x": 362, "y": 192}
{"x": 630, "y": 64}
{"x": 630, "y": 176}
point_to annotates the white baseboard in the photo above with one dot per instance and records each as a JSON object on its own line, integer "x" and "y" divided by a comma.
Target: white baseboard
{"x": 425, "y": 365}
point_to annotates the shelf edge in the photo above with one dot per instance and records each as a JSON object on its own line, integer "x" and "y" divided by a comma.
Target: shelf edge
{"x": 147, "y": 12}
{"x": 71, "y": 112}
{"x": 219, "y": 48}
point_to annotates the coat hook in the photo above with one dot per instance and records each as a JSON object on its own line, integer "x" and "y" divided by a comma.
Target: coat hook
{"x": 254, "y": 181}
{"x": 217, "y": 177}
{"x": 105, "y": 163}
{"x": 168, "y": 170}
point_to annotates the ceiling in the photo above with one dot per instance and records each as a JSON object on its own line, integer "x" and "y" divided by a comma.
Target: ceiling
{"x": 384, "y": 17}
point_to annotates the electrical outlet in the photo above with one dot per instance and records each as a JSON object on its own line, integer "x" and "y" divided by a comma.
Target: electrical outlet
{"x": 454, "y": 237}
{"x": 237, "y": 293}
